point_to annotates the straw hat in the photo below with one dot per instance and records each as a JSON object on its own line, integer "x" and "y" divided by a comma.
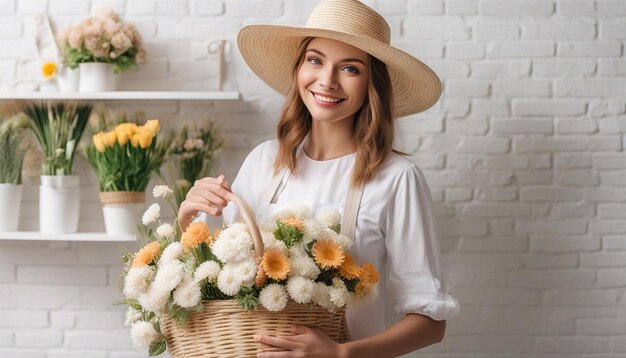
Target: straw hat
{"x": 270, "y": 50}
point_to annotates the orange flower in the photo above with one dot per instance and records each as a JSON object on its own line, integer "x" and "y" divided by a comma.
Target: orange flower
{"x": 349, "y": 268}
{"x": 369, "y": 275}
{"x": 276, "y": 265}
{"x": 147, "y": 254}
{"x": 216, "y": 233}
{"x": 328, "y": 254}
{"x": 49, "y": 69}
{"x": 293, "y": 222}
{"x": 196, "y": 234}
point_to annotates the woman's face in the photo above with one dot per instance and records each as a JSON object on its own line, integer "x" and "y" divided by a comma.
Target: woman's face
{"x": 332, "y": 80}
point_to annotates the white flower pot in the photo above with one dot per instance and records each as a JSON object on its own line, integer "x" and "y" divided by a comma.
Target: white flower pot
{"x": 96, "y": 77}
{"x": 68, "y": 78}
{"x": 122, "y": 219}
{"x": 10, "y": 201}
{"x": 59, "y": 204}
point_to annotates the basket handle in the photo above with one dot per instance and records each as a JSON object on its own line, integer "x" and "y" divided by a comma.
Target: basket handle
{"x": 248, "y": 216}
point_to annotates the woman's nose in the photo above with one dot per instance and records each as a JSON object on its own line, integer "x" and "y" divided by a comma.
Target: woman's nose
{"x": 328, "y": 78}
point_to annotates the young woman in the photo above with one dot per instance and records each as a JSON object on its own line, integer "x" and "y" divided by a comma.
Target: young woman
{"x": 344, "y": 85}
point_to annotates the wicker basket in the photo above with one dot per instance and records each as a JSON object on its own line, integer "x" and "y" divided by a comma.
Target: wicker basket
{"x": 225, "y": 330}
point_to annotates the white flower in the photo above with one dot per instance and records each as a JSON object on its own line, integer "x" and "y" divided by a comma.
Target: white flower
{"x": 321, "y": 297}
{"x": 169, "y": 275}
{"x": 296, "y": 210}
{"x": 155, "y": 299}
{"x": 329, "y": 218}
{"x": 338, "y": 292}
{"x": 244, "y": 270}
{"x": 187, "y": 293}
{"x": 227, "y": 282}
{"x": 166, "y": 231}
{"x": 270, "y": 242}
{"x": 171, "y": 253}
{"x": 344, "y": 241}
{"x": 304, "y": 266}
{"x": 137, "y": 281}
{"x": 132, "y": 315}
{"x": 143, "y": 334}
{"x": 162, "y": 191}
{"x": 208, "y": 270}
{"x": 273, "y": 297}
{"x": 152, "y": 214}
{"x": 313, "y": 230}
{"x": 300, "y": 289}
{"x": 234, "y": 243}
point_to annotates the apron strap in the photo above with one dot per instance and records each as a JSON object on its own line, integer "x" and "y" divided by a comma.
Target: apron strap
{"x": 351, "y": 210}
{"x": 272, "y": 191}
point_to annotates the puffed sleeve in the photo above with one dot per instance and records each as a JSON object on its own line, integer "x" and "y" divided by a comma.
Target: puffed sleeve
{"x": 414, "y": 258}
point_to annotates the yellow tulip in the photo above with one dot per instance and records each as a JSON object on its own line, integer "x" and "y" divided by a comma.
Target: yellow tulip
{"x": 152, "y": 126}
{"x": 122, "y": 138}
{"x": 110, "y": 138}
{"x": 145, "y": 139}
{"x": 129, "y": 128}
{"x": 98, "y": 141}
{"x": 135, "y": 141}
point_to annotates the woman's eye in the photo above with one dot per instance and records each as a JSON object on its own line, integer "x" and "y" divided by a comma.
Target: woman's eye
{"x": 351, "y": 69}
{"x": 314, "y": 60}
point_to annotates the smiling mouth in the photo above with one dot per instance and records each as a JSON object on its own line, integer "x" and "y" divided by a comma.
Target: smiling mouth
{"x": 326, "y": 99}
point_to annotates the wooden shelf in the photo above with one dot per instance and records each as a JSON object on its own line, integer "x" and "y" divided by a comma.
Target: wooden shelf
{"x": 125, "y": 95}
{"x": 79, "y": 236}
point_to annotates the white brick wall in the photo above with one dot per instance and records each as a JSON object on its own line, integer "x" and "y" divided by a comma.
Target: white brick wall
{"x": 524, "y": 155}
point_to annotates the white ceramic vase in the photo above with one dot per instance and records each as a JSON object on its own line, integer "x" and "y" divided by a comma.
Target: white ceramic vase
{"x": 67, "y": 79}
{"x": 97, "y": 77}
{"x": 122, "y": 219}
{"x": 59, "y": 204}
{"x": 10, "y": 201}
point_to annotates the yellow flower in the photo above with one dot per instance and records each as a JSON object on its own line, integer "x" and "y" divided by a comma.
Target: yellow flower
{"x": 145, "y": 139}
{"x": 135, "y": 141}
{"x": 147, "y": 254}
{"x": 98, "y": 141}
{"x": 196, "y": 234}
{"x": 348, "y": 269}
{"x": 328, "y": 254}
{"x": 152, "y": 126}
{"x": 122, "y": 138}
{"x": 293, "y": 222}
{"x": 49, "y": 69}
{"x": 276, "y": 265}
{"x": 128, "y": 128}
{"x": 110, "y": 138}
{"x": 369, "y": 275}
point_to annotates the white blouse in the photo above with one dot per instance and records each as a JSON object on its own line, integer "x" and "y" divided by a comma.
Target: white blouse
{"x": 395, "y": 229}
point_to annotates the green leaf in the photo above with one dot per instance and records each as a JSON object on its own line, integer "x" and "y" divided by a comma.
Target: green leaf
{"x": 157, "y": 348}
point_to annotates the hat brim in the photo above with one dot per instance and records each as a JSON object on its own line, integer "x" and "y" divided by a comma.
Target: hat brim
{"x": 270, "y": 50}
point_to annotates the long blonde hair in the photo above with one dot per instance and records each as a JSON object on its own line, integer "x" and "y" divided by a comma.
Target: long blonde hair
{"x": 373, "y": 123}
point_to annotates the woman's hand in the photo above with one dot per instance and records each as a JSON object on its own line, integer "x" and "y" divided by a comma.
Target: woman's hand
{"x": 206, "y": 195}
{"x": 305, "y": 342}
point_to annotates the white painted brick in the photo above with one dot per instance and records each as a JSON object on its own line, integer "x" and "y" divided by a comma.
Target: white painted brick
{"x": 613, "y": 30}
{"x": 574, "y": 344}
{"x": 456, "y": 107}
{"x": 467, "y": 126}
{"x": 465, "y": 50}
{"x": 127, "y": 354}
{"x": 522, "y": 88}
{"x": 611, "y": 68}
{"x": 540, "y": 161}
{"x": 196, "y": 29}
{"x": 485, "y": 145}
{"x": 589, "y": 49}
{"x": 576, "y": 8}
{"x": 99, "y": 298}
{"x": 572, "y": 161}
{"x": 62, "y": 319}
{"x": 456, "y": 227}
{"x": 609, "y": 161}
{"x": 574, "y": 210}
{"x": 40, "y": 338}
{"x": 490, "y": 107}
{"x": 605, "y": 326}
{"x": 458, "y": 194}
{"x": 485, "y": 260}
{"x": 516, "y": 8}
{"x": 552, "y": 194}
{"x": 449, "y": 69}
{"x": 12, "y": 49}
{"x": 552, "y": 278}
{"x": 590, "y": 88}
{"x": 613, "y": 242}
{"x": 564, "y": 68}
{"x": 493, "y": 346}
{"x": 68, "y": 7}
{"x": 422, "y": 49}
{"x": 561, "y": 243}
{"x": 140, "y": 7}
{"x": 100, "y": 320}
{"x": 115, "y": 339}
{"x": 391, "y": 7}
{"x": 490, "y": 30}
{"x": 612, "y": 278}
{"x": 437, "y": 28}
{"x": 61, "y": 275}
{"x": 462, "y": 7}
{"x": 21, "y": 353}
{"x": 7, "y": 7}
{"x": 577, "y": 178}
{"x": 497, "y": 210}
{"x": 548, "y": 107}
{"x": 575, "y": 126}
{"x": 604, "y": 195}
{"x": 425, "y": 7}
{"x": 11, "y": 28}
{"x": 501, "y": 227}
{"x": 531, "y": 323}
{"x": 422, "y": 125}
{"x": 23, "y": 319}
{"x": 7, "y": 338}
{"x": 96, "y": 254}
{"x": 613, "y": 178}
{"x": 493, "y": 244}
{"x": 521, "y": 49}
{"x": 577, "y": 298}
{"x": 172, "y": 8}
{"x": 7, "y": 273}
{"x": 466, "y": 88}
{"x": 238, "y": 8}
{"x": 501, "y": 69}
{"x": 551, "y": 226}
{"x": 505, "y": 162}
{"x": 611, "y": 8}
{"x": 604, "y": 143}
{"x": 208, "y": 7}
{"x": 608, "y": 227}
{"x": 428, "y": 161}
{"x": 63, "y": 353}
{"x": 521, "y": 126}
{"x": 558, "y": 30}
{"x": 36, "y": 254}
{"x": 542, "y": 260}
{"x": 193, "y": 70}
{"x": 7, "y": 70}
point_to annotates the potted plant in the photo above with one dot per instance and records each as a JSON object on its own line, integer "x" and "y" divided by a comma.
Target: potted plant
{"x": 124, "y": 159}
{"x": 58, "y": 129}
{"x": 101, "y": 46}
{"x": 13, "y": 149}
{"x": 193, "y": 153}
